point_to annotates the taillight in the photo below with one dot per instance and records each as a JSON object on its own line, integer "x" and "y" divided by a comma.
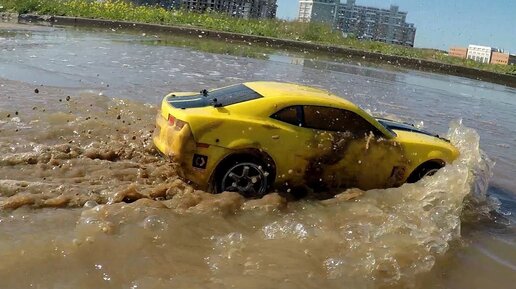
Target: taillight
{"x": 177, "y": 122}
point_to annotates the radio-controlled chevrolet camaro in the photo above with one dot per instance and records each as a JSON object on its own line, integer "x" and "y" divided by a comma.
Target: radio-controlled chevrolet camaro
{"x": 252, "y": 137}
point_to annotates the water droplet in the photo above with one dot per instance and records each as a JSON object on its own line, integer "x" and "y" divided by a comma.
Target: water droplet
{"x": 90, "y": 204}
{"x": 155, "y": 223}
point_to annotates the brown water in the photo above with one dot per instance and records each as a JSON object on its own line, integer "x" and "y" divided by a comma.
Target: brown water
{"x": 86, "y": 202}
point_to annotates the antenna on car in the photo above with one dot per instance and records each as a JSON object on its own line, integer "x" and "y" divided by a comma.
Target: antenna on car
{"x": 215, "y": 103}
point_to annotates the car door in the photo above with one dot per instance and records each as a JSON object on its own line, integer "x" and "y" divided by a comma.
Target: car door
{"x": 292, "y": 146}
{"x": 350, "y": 151}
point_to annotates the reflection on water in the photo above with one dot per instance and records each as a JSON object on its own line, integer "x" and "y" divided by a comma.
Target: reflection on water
{"x": 211, "y": 46}
{"x": 97, "y": 207}
{"x": 350, "y": 69}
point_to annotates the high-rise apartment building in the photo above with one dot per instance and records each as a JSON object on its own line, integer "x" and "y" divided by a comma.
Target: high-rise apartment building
{"x": 318, "y": 10}
{"x": 238, "y": 8}
{"x": 386, "y": 25}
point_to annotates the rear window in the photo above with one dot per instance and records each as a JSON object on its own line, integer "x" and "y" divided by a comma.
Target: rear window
{"x": 217, "y": 98}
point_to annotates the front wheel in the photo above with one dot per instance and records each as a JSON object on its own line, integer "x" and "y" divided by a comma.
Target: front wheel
{"x": 425, "y": 170}
{"x": 247, "y": 178}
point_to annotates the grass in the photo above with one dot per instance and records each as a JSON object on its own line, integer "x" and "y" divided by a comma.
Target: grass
{"x": 313, "y": 32}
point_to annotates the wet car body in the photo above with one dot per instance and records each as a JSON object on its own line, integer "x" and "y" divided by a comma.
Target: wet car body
{"x": 257, "y": 135}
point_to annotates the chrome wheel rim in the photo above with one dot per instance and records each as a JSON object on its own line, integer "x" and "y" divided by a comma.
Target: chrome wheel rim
{"x": 248, "y": 179}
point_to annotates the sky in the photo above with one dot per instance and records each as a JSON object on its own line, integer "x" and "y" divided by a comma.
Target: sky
{"x": 444, "y": 23}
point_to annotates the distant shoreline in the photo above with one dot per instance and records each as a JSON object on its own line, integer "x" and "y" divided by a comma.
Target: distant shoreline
{"x": 400, "y": 61}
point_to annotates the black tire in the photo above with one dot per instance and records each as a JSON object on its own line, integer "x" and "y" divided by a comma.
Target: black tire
{"x": 426, "y": 169}
{"x": 245, "y": 174}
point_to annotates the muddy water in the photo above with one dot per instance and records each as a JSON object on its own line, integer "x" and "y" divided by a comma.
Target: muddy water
{"x": 86, "y": 202}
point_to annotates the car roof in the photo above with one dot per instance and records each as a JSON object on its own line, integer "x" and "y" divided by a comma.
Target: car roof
{"x": 272, "y": 89}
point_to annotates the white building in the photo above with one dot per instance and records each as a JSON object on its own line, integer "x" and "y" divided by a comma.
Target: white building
{"x": 318, "y": 10}
{"x": 480, "y": 53}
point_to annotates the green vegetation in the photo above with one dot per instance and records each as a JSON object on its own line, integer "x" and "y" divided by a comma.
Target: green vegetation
{"x": 313, "y": 32}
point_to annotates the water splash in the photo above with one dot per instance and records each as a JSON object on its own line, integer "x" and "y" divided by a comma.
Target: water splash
{"x": 173, "y": 234}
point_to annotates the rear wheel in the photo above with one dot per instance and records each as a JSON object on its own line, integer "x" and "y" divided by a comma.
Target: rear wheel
{"x": 245, "y": 175}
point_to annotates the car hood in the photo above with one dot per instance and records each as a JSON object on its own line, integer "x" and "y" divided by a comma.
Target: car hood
{"x": 403, "y": 126}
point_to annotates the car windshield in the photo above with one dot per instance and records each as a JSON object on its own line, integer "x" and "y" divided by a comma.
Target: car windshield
{"x": 218, "y": 98}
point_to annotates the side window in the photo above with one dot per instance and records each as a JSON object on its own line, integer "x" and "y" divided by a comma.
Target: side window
{"x": 334, "y": 119}
{"x": 289, "y": 115}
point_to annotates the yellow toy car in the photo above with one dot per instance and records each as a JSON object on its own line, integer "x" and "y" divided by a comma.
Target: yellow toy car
{"x": 254, "y": 136}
